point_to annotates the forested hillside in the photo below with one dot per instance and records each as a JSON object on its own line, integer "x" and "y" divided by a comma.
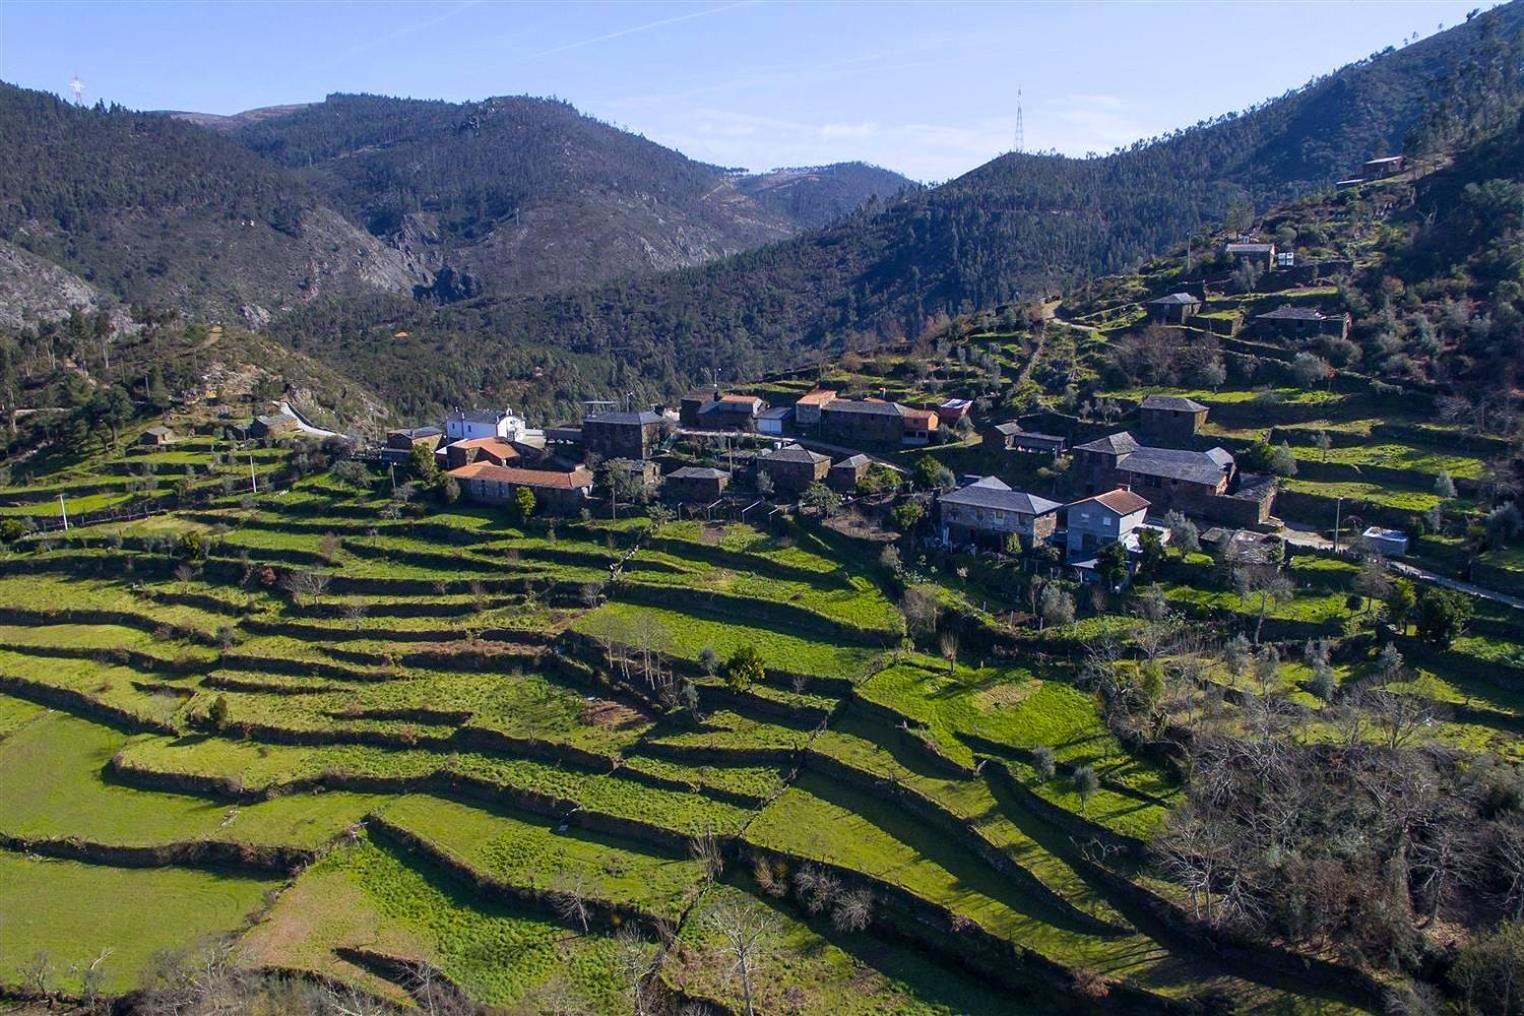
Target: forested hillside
{"x": 1021, "y": 225}
{"x": 153, "y": 210}
{"x": 528, "y": 195}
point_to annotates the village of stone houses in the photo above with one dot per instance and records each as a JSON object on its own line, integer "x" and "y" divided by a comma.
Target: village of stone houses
{"x": 935, "y": 677}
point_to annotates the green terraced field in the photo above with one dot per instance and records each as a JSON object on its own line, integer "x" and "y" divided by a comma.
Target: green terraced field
{"x": 474, "y": 719}
{"x": 125, "y": 914}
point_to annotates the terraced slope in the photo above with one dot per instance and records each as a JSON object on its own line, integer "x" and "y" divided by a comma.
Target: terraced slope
{"x": 503, "y": 754}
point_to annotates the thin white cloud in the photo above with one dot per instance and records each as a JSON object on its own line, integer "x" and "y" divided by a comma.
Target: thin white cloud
{"x": 413, "y": 28}
{"x": 637, "y": 29}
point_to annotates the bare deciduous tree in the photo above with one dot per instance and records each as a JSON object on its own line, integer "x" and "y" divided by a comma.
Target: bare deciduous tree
{"x": 746, "y": 928}
{"x": 570, "y": 897}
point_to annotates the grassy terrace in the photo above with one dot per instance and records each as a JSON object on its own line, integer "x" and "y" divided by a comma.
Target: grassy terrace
{"x": 817, "y": 969}
{"x": 686, "y": 635}
{"x": 152, "y": 909}
{"x": 65, "y": 797}
{"x": 530, "y": 852}
{"x": 817, "y": 820}
{"x": 447, "y": 714}
{"x": 386, "y": 901}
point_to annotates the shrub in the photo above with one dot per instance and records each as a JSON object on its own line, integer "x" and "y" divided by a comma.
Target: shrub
{"x": 744, "y": 667}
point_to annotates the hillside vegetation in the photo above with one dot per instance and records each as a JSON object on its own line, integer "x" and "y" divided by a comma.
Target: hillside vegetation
{"x": 1022, "y": 225}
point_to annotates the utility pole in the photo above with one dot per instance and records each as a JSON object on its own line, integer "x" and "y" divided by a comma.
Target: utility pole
{"x": 1338, "y": 505}
{"x": 63, "y": 512}
{"x": 392, "y": 469}
{"x": 253, "y": 480}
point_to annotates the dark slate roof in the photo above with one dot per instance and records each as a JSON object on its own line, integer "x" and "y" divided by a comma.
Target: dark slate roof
{"x": 1290, "y": 313}
{"x": 1250, "y": 248}
{"x": 727, "y": 407}
{"x": 1173, "y": 464}
{"x": 1114, "y": 444}
{"x": 1177, "y": 298}
{"x": 1009, "y": 428}
{"x": 159, "y": 431}
{"x": 418, "y": 432}
{"x": 1221, "y": 456}
{"x": 863, "y": 406}
{"x": 853, "y": 461}
{"x": 990, "y": 492}
{"x": 1033, "y": 437}
{"x": 698, "y": 473}
{"x": 776, "y": 413}
{"x": 1176, "y": 403}
{"x": 792, "y": 453}
{"x": 478, "y": 415}
{"x": 627, "y": 418}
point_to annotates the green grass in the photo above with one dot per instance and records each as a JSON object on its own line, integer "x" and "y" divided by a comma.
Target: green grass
{"x": 532, "y": 853}
{"x": 685, "y": 635}
{"x": 72, "y": 913}
{"x": 370, "y": 896}
{"x": 810, "y": 968}
{"x": 52, "y": 770}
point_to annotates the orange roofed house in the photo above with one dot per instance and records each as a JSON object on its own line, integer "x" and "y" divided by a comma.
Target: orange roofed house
{"x": 807, "y": 409}
{"x": 555, "y": 493}
{"x": 479, "y": 449}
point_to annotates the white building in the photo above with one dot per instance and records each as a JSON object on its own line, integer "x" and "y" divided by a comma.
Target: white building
{"x": 463, "y": 425}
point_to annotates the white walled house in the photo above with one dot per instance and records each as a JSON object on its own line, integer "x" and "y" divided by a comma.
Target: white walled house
{"x": 466, "y": 425}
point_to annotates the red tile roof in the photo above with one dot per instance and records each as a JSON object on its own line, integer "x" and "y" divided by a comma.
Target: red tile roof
{"x": 818, "y": 396}
{"x": 1123, "y": 502}
{"x": 578, "y": 477}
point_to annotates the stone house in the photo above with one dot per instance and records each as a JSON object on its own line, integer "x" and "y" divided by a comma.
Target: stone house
{"x": 621, "y": 435}
{"x": 156, "y": 436}
{"x": 844, "y": 475}
{"x": 807, "y": 409}
{"x": 953, "y": 410}
{"x": 1376, "y": 169}
{"x": 273, "y": 425}
{"x": 792, "y": 468}
{"x": 1261, "y": 255}
{"x": 1170, "y": 419}
{"x": 479, "y": 449}
{"x": 860, "y": 422}
{"x": 1011, "y": 438}
{"x": 555, "y": 493}
{"x": 1301, "y": 322}
{"x": 1174, "y": 309}
{"x": 695, "y": 485}
{"x": 728, "y": 412}
{"x": 987, "y": 512}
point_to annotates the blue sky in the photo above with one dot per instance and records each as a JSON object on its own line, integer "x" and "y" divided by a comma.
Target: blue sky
{"x": 929, "y": 90}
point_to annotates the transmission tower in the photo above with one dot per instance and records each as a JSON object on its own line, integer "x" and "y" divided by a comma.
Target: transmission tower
{"x": 1021, "y": 133}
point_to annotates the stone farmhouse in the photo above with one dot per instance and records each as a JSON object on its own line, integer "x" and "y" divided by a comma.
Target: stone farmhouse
{"x": 987, "y": 512}
{"x": 792, "y": 468}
